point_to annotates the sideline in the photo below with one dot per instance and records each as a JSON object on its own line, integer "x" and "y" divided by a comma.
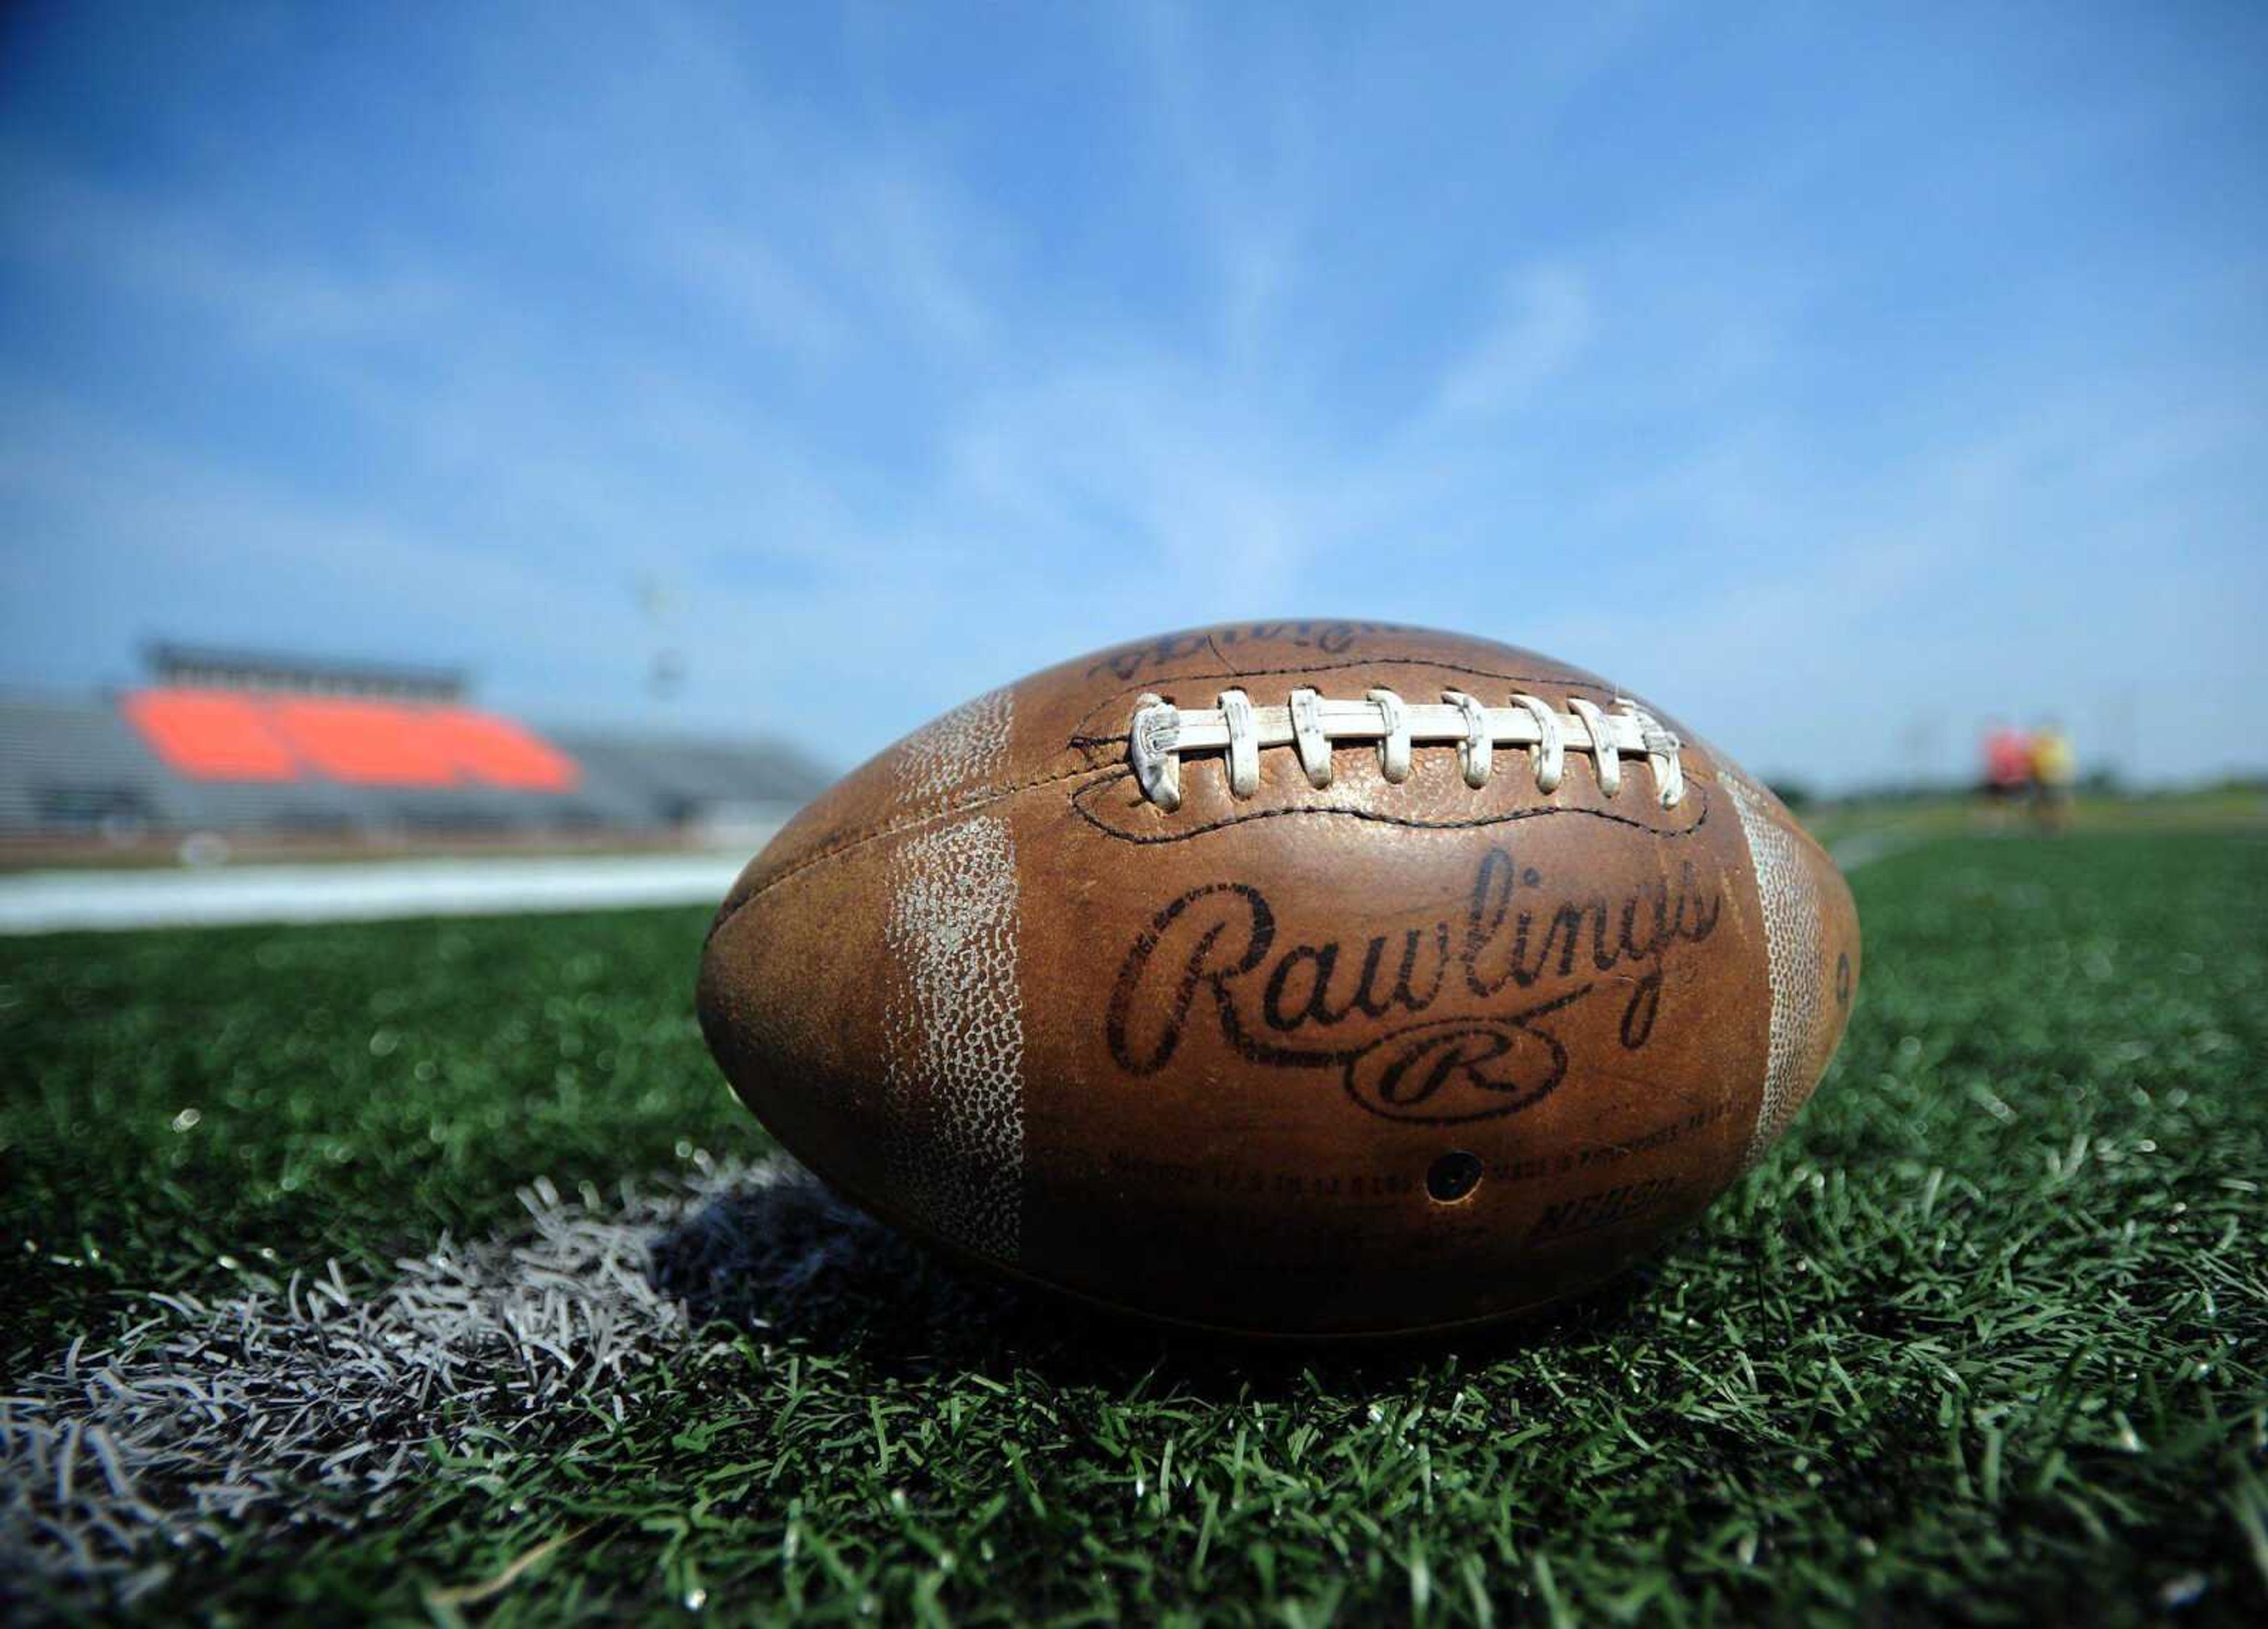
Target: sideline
{"x": 55, "y": 902}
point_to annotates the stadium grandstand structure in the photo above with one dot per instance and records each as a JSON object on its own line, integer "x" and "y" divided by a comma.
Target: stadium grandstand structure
{"x": 258, "y": 749}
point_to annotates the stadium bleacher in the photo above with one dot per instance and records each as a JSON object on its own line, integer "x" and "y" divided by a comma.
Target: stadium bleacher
{"x": 250, "y": 747}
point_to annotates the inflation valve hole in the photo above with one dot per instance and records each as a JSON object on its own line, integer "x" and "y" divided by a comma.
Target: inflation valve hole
{"x": 1454, "y": 1175}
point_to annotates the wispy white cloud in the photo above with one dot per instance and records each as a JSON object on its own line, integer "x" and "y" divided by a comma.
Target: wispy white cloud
{"x": 197, "y": 265}
{"x": 1544, "y": 322}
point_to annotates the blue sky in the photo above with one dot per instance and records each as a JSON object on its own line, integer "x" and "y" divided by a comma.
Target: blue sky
{"x": 1838, "y": 379}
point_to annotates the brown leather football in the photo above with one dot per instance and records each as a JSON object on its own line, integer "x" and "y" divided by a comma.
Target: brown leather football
{"x": 1304, "y": 977}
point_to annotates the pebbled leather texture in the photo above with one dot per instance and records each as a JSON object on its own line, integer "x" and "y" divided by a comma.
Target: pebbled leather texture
{"x": 1365, "y": 1058}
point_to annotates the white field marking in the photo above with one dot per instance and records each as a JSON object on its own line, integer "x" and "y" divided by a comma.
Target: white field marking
{"x": 51, "y": 902}
{"x": 1864, "y": 848}
{"x": 314, "y": 1397}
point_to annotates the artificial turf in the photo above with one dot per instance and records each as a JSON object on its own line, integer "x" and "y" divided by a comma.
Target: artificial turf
{"x": 1985, "y": 1339}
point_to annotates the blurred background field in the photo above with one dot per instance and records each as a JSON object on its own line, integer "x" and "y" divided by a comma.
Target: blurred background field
{"x": 1864, "y": 822}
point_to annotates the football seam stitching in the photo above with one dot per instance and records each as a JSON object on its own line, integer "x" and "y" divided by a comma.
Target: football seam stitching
{"x": 872, "y": 834}
{"x": 1474, "y": 823}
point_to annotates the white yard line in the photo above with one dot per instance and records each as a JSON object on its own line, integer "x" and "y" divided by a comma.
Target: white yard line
{"x": 291, "y": 1397}
{"x": 51, "y": 902}
{"x": 1864, "y": 848}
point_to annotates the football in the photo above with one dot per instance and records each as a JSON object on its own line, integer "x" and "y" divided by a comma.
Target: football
{"x": 1307, "y": 978}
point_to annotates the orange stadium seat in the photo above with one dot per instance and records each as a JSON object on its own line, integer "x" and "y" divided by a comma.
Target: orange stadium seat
{"x": 500, "y": 752}
{"x": 222, "y": 735}
{"x": 212, "y": 735}
{"x": 365, "y": 743}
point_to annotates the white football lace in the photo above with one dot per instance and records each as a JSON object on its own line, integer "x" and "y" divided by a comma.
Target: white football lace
{"x": 1311, "y": 724}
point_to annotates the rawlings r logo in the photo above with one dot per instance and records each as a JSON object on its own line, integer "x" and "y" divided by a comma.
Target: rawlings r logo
{"x": 1462, "y": 1068}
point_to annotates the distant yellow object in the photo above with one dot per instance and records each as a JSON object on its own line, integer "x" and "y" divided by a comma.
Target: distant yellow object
{"x": 2053, "y": 762}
